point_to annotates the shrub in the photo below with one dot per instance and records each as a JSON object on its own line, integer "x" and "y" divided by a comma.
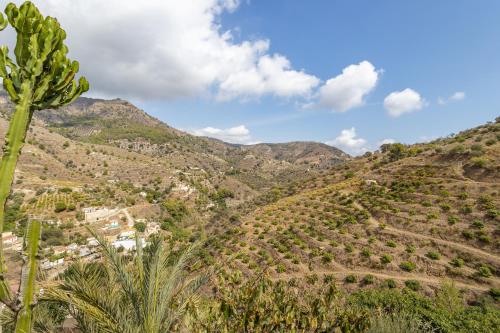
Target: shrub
{"x": 390, "y": 283}
{"x": 495, "y": 293}
{"x": 407, "y": 266}
{"x": 410, "y": 248}
{"x": 458, "y": 149}
{"x": 59, "y": 207}
{"x": 467, "y": 209}
{"x": 312, "y": 279}
{"x": 477, "y": 224}
{"x": 140, "y": 226}
{"x": 327, "y": 257}
{"x": 351, "y": 278}
{"x": 433, "y": 255}
{"x": 478, "y": 162}
{"x": 467, "y": 234}
{"x": 484, "y": 271}
{"x": 368, "y": 279}
{"x": 328, "y": 278}
{"x": 386, "y": 258}
{"x": 445, "y": 207}
{"x": 457, "y": 262}
{"x": 452, "y": 220}
{"x": 490, "y": 142}
{"x": 366, "y": 252}
{"x": 280, "y": 268}
{"x": 391, "y": 243}
{"x": 492, "y": 213}
{"x": 413, "y": 285}
{"x": 426, "y": 203}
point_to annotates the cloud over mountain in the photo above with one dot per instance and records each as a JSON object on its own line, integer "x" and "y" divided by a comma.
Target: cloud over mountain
{"x": 168, "y": 49}
{"x": 349, "y": 141}
{"x": 238, "y": 134}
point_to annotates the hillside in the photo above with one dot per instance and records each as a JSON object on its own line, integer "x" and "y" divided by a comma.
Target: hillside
{"x": 118, "y": 122}
{"x": 110, "y": 152}
{"x": 402, "y": 216}
{"x": 407, "y": 215}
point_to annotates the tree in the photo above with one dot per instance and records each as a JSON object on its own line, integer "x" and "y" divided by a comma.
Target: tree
{"x": 140, "y": 226}
{"x": 150, "y": 294}
{"x": 41, "y": 77}
{"x": 176, "y": 208}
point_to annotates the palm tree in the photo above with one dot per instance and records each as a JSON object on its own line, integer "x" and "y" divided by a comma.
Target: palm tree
{"x": 149, "y": 292}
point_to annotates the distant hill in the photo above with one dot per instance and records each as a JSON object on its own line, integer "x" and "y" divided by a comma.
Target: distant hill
{"x": 64, "y": 144}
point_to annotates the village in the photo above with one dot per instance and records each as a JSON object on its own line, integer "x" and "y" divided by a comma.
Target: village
{"x": 116, "y": 225}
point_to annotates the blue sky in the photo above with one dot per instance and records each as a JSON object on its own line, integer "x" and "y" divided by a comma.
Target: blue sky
{"x": 434, "y": 47}
{"x": 258, "y": 71}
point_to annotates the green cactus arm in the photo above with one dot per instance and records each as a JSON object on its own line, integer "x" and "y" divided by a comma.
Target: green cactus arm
{"x": 3, "y": 61}
{"x": 14, "y": 142}
{"x": 29, "y": 270}
{"x": 11, "y": 90}
{"x": 3, "y": 22}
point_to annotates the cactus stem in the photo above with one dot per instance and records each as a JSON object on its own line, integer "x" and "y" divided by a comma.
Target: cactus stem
{"x": 14, "y": 141}
{"x": 28, "y": 276}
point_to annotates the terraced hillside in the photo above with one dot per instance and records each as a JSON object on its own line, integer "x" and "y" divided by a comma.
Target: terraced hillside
{"x": 110, "y": 153}
{"x": 408, "y": 215}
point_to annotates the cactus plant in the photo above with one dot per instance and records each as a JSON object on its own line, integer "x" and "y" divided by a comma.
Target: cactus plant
{"x": 41, "y": 77}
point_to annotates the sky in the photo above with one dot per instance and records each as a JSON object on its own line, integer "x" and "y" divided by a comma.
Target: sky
{"x": 352, "y": 74}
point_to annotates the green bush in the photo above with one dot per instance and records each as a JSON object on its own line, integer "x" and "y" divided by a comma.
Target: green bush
{"x": 351, "y": 278}
{"x": 495, "y": 293}
{"x": 366, "y": 252}
{"x": 140, "y": 226}
{"x": 457, "y": 262}
{"x": 368, "y": 279}
{"x": 452, "y": 220}
{"x": 433, "y": 255}
{"x": 407, "y": 266}
{"x": 280, "y": 268}
{"x": 386, "y": 258}
{"x": 484, "y": 271}
{"x": 390, "y": 283}
{"x": 391, "y": 243}
{"x": 413, "y": 285}
{"x": 59, "y": 207}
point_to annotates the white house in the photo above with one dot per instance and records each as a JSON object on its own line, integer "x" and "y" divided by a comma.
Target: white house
{"x": 9, "y": 239}
{"x": 128, "y": 244}
{"x": 93, "y": 214}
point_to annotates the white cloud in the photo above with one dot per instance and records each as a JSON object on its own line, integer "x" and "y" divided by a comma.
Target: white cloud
{"x": 238, "y": 134}
{"x": 348, "y": 90}
{"x": 405, "y": 101}
{"x": 457, "y": 96}
{"x": 386, "y": 141}
{"x": 349, "y": 142}
{"x": 271, "y": 75}
{"x": 168, "y": 49}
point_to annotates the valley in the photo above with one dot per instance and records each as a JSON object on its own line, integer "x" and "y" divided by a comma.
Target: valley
{"x": 302, "y": 211}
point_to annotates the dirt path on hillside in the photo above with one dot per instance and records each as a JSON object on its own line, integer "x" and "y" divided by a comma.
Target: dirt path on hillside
{"x": 397, "y": 277}
{"x": 480, "y": 253}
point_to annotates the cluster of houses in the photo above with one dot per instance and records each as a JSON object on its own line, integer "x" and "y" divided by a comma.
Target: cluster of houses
{"x": 10, "y": 241}
{"x": 116, "y": 225}
{"x": 123, "y": 240}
